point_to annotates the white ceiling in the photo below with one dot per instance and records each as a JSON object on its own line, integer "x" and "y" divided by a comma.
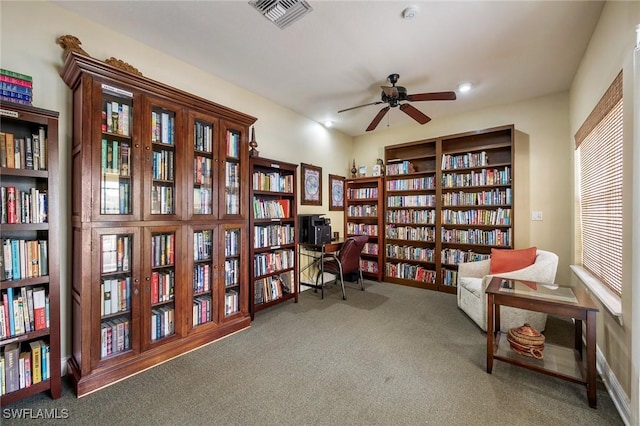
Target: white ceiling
{"x": 340, "y": 54}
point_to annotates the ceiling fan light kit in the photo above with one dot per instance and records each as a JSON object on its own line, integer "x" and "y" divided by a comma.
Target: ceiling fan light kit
{"x": 393, "y": 96}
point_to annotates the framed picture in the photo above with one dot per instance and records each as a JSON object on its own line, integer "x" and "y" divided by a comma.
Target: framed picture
{"x": 336, "y": 186}
{"x": 311, "y": 187}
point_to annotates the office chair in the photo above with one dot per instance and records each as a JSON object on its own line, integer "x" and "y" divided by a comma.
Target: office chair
{"x": 347, "y": 260}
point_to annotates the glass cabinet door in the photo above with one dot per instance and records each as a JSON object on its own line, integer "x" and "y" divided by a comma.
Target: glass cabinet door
{"x": 204, "y": 270}
{"x": 203, "y": 161}
{"x": 232, "y": 169}
{"x": 233, "y": 274}
{"x": 118, "y": 290}
{"x": 162, "y": 156}
{"x": 116, "y": 154}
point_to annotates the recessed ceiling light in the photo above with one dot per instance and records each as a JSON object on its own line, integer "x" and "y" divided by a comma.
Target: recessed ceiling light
{"x": 464, "y": 87}
{"x": 328, "y": 123}
{"x": 410, "y": 12}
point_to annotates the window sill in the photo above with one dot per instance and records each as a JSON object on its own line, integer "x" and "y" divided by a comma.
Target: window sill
{"x": 610, "y": 300}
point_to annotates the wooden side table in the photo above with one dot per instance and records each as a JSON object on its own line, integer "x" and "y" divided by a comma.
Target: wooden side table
{"x": 558, "y": 361}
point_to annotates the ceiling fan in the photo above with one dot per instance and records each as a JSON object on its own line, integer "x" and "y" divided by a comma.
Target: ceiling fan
{"x": 393, "y": 95}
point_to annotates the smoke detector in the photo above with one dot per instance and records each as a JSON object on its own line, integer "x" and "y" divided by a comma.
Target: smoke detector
{"x": 282, "y": 12}
{"x": 410, "y": 12}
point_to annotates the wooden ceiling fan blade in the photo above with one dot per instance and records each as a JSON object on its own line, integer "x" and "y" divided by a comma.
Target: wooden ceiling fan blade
{"x": 377, "y": 119}
{"x": 415, "y": 113}
{"x": 433, "y": 96}
{"x": 360, "y": 106}
{"x": 391, "y": 92}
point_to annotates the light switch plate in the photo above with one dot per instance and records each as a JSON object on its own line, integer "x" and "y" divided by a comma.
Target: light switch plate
{"x": 536, "y": 215}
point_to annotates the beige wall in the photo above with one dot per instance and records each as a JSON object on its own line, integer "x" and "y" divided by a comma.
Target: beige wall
{"x": 542, "y": 170}
{"x": 29, "y": 30}
{"x": 610, "y": 50}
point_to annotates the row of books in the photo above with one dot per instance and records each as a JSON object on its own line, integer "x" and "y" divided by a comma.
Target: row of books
{"x": 116, "y": 157}
{"x": 482, "y": 198}
{"x": 423, "y": 254}
{"x": 449, "y": 277}
{"x": 370, "y": 248}
{"x": 273, "y": 235}
{"x": 116, "y": 253}
{"x": 202, "y": 170}
{"x": 232, "y": 201}
{"x": 203, "y": 136}
{"x": 16, "y": 87}
{"x": 23, "y": 310}
{"x": 272, "y": 181}
{"x": 203, "y": 244}
{"x": 201, "y": 278}
{"x": 462, "y": 161}
{"x": 162, "y": 167}
{"x": 115, "y": 194}
{"x": 163, "y": 126}
{"x": 361, "y": 229}
{"x": 114, "y": 336}
{"x": 23, "y": 206}
{"x": 495, "y": 237}
{"x": 233, "y": 144}
{"x": 410, "y": 272}
{"x": 401, "y": 168}
{"x": 231, "y": 272}
{"x": 163, "y": 249}
{"x": 411, "y": 216}
{"x": 203, "y": 200}
{"x": 232, "y": 175}
{"x": 162, "y": 199}
{"x": 411, "y": 201}
{"x": 202, "y": 309}
{"x": 231, "y": 242}
{"x": 362, "y": 210}
{"x": 498, "y": 216}
{"x": 483, "y": 177}
{"x": 367, "y": 265}
{"x": 29, "y": 152}
{"x": 267, "y": 263}
{"x": 418, "y": 233}
{"x": 455, "y": 256}
{"x": 162, "y": 286}
{"x": 24, "y": 365}
{"x": 162, "y": 322}
{"x": 272, "y": 288}
{"x": 115, "y": 295}
{"x": 271, "y": 209}
{"x": 21, "y": 259}
{"x": 116, "y": 118}
{"x": 362, "y": 193}
{"x": 419, "y": 183}
{"x": 231, "y": 302}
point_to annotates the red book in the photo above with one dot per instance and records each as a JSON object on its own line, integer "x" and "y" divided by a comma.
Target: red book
{"x": 5, "y": 301}
{"x": 12, "y": 213}
{"x": 154, "y": 287}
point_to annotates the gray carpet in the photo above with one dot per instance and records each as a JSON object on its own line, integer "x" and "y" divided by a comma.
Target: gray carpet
{"x": 391, "y": 355}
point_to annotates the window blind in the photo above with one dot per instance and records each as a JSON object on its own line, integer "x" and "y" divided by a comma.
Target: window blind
{"x": 599, "y": 143}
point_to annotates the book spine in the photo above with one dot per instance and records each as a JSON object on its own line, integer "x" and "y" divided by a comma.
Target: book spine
{"x": 14, "y": 74}
{"x": 18, "y": 81}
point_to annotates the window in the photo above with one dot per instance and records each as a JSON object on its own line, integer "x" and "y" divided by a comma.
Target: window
{"x": 599, "y": 154}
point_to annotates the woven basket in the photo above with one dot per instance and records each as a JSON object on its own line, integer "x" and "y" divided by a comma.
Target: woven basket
{"x": 526, "y": 341}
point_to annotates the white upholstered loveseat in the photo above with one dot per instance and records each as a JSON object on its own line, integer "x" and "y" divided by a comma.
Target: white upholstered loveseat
{"x": 474, "y": 277}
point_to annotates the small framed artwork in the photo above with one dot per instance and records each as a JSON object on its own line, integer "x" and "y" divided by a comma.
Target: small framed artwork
{"x": 311, "y": 187}
{"x": 336, "y": 186}
{"x": 362, "y": 171}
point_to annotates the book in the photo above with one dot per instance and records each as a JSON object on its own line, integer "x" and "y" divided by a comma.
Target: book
{"x": 39, "y": 313}
{"x": 25, "y": 366}
{"x": 9, "y": 305}
{"x": 9, "y": 73}
{"x": 36, "y": 361}
{"x": 12, "y": 368}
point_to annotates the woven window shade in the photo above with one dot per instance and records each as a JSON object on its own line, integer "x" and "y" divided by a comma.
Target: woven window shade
{"x": 600, "y": 180}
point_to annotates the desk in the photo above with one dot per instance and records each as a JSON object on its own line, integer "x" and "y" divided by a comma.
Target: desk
{"x": 317, "y": 253}
{"x": 562, "y": 362}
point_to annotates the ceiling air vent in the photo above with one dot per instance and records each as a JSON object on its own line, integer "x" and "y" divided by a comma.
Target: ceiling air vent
{"x": 282, "y": 12}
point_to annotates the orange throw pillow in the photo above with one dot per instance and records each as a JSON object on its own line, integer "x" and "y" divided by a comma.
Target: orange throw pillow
{"x": 511, "y": 260}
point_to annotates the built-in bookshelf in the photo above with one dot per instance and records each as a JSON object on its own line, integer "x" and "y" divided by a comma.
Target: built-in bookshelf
{"x": 29, "y": 262}
{"x": 364, "y": 215}
{"x": 274, "y": 235}
{"x": 448, "y": 200}
{"x": 159, "y": 208}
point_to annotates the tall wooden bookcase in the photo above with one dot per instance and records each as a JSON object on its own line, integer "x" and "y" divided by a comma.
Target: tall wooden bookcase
{"x": 159, "y": 222}
{"x": 274, "y": 233}
{"x": 448, "y": 200}
{"x": 29, "y": 230}
{"x": 364, "y": 215}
